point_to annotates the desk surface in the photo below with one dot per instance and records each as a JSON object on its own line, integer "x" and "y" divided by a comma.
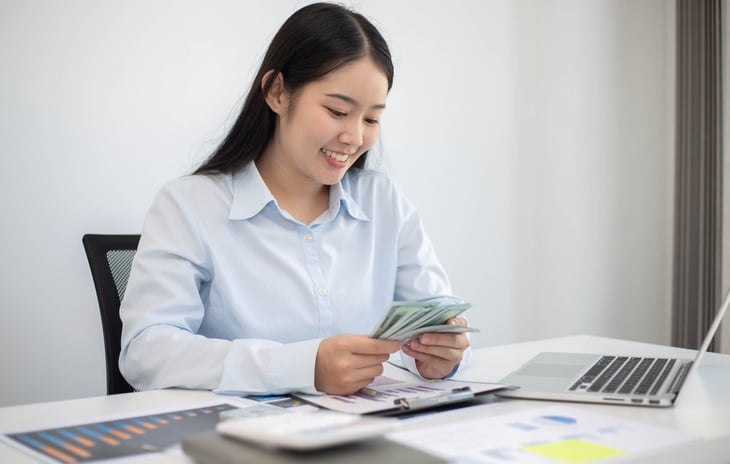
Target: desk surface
{"x": 702, "y": 409}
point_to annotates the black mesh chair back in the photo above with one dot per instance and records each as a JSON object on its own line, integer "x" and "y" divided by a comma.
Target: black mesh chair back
{"x": 110, "y": 259}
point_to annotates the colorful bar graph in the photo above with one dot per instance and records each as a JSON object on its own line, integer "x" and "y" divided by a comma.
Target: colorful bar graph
{"x": 387, "y": 395}
{"x": 118, "y": 438}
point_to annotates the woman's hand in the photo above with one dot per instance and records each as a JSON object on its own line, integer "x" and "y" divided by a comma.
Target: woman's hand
{"x": 436, "y": 354}
{"x": 346, "y": 363}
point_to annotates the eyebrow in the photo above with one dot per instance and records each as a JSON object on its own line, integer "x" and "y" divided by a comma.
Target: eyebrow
{"x": 352, "y": 101}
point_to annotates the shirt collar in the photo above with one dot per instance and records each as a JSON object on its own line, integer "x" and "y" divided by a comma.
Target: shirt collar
{"x": 339, "y": 194}
{"x": 251, "y": 196}
{"x": 250, "y": 193}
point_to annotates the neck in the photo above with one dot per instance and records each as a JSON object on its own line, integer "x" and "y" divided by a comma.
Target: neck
{"x": 301, "y": 198}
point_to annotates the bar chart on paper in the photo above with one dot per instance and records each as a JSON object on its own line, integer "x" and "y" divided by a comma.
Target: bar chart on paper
{"x": 554, "y": 434}
{"x": 117, "y": 438}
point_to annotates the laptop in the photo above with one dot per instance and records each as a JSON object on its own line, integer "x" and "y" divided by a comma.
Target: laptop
{"x": 618, "y": 379}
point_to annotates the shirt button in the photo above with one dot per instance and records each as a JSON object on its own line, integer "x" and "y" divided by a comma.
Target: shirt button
{"x": 308, "y": 237}
{"x": 322, "y": 291}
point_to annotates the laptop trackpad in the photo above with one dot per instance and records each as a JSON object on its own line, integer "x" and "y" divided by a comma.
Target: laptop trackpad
{"x": 549, "y": 370}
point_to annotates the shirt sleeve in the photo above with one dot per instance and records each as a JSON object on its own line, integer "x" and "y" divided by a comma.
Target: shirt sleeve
{"x": 163, "y": 309}
{"x": 420, "y": 274}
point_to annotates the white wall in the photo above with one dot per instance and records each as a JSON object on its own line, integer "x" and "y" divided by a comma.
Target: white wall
{"x": 593, "y": 169}
{"x": 533, "y": 136}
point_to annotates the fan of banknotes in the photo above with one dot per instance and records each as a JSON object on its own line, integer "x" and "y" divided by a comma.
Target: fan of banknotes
{"x": 405, "y": 320}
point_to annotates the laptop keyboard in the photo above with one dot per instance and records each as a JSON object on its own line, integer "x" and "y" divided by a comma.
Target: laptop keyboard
{"x": 625, "y": 375}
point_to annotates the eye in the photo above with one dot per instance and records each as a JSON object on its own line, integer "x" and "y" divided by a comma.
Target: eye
{"x": 334, "y": 112}
{"x": 372, "y": 121}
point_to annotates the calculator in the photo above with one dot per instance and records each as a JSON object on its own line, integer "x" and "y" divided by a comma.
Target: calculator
{"x": 305, "y": 430}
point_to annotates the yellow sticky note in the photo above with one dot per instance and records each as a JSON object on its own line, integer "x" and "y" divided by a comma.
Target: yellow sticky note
{"x": 573, "y": 451}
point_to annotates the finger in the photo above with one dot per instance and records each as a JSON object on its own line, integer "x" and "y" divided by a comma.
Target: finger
{"x": 361, "y": 361}
{"x": 433, "y": 353}
{"x": 445, "y": 346}
{"x": 369, "y": 373}
{"x": 367, "y": 345}
{"x": 433, "y": 367}
{"x": 363, "y": 377}
{"x": 458, "y": 321}
{"x": 450, "y": 340}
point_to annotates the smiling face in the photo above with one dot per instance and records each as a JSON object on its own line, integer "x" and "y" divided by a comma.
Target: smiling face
{"x": 325, "y": 127}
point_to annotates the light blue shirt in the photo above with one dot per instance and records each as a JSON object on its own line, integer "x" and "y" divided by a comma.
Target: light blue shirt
{"x": 229, "y": 292}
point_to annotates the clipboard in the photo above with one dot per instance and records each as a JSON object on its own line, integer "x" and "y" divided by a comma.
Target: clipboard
{"x": 391, "y": 396}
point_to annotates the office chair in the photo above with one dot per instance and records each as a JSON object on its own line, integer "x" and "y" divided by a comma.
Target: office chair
{"x": 110, "y": 259}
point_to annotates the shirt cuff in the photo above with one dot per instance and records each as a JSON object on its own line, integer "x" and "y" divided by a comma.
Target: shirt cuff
{"x": 270, "y": 368}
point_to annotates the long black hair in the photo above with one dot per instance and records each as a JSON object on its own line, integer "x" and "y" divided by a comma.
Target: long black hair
{"x": 315, "y": 40}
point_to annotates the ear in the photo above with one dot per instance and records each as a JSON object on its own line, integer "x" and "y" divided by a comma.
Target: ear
{"x": 277, "y": 97}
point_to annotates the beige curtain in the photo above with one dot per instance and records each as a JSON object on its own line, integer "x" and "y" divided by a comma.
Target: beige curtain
{"x": 698, "y": 201}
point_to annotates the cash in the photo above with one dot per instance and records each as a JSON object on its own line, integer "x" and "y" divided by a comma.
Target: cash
{"x": 405, "y": 320}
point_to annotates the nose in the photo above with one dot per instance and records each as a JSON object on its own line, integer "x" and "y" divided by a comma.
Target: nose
{"x": 352, "y": 135}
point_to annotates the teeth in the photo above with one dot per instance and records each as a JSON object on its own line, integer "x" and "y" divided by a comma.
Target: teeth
{"x": 337, "y": 156}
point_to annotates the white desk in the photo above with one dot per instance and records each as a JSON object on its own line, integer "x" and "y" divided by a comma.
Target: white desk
{"x": 702, "y": 410}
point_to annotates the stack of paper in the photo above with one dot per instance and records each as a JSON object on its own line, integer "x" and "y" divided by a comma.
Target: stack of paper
{"x": 405, "y": 320}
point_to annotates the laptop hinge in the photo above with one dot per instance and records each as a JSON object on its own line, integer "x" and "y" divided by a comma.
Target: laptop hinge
{"x": 679, "y": 378}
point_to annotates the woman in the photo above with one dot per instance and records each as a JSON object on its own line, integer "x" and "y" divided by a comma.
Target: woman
{"x": 261, "y": 272}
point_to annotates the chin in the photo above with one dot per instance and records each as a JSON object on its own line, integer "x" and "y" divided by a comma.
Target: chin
{"x": 330, "y": 181}
{"x": 332, "y": 178}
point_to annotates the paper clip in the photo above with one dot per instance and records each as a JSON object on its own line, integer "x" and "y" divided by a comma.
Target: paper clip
{"x": 434, "y": 399}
